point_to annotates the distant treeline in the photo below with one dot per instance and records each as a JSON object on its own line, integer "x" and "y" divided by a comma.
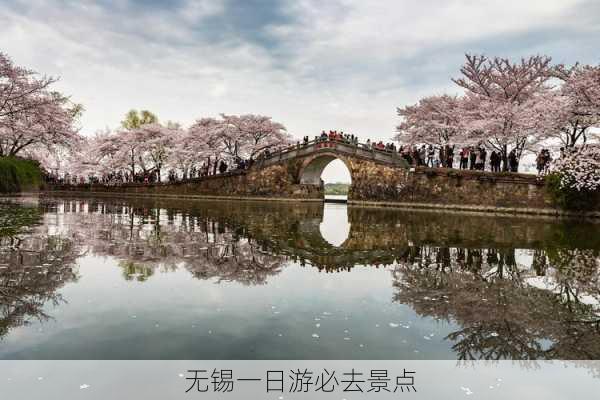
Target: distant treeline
{"x": 337, "y": 188}
{"x": 18, "y": 174}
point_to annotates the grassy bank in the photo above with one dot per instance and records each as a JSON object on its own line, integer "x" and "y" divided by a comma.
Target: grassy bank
{"x": 17, "y": 174}
{"x": 337, "y": 188}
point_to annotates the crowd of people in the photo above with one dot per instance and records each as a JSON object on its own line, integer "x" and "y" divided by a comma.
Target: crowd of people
{"x": 471, "y": 158}
{"x": 468, "y": 158}
{"x": 476, "y": 158}
{"x": 543, "y": 160}
{"x": 152, "y": 176}
{"x": 335, "y": 136}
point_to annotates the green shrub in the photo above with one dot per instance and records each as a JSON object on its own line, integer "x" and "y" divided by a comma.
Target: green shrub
{"x": 18, "y": 174}
{"x": 567, "y": 197}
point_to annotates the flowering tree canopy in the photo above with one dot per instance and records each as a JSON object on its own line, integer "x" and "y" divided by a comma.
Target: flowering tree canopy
{"x": 157, "y": 142}
{"x": 257, "y": 133}
{"x": 147, "y": 147}
{"x": 200, "y": 142}
{"x": 578, "y": 105}
{"x": 504, "y": 101}
{"x": 434, "y": 120}
{"x": 31, "y": 116}
{"x": 579, "y": 168}
{"x": 245, "y": 136}
{"x": 509, "y": 107}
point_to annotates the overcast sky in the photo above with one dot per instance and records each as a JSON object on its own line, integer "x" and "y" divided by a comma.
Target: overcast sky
{"x": 312, "y": 65}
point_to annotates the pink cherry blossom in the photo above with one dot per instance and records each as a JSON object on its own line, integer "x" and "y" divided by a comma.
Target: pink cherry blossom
{"x": 32, "y": 117}
{"x": 579, "y": 168}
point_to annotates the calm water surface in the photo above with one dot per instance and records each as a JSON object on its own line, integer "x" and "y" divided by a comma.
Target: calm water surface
{"x": 156, "y": 279}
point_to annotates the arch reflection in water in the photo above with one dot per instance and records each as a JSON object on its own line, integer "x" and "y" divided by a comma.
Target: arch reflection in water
{"x": 335, "y": 227}
{"x": 475, "y": 287}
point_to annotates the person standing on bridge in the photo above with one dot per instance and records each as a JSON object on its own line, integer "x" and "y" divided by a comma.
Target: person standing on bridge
{"x": 449, "y": 155}
{"x": 422, "y": 155}
{"x": 495, "y": 161}
{"x": 222, "y": 167}
{"x": 513, "y": 161}
{"x": 464, "y": 158}
{"x": 472, "y": 157}
{"x": 430, "y": 155}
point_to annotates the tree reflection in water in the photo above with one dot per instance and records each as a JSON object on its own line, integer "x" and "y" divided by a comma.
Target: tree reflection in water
{"x": 146, "y": 239}
{"x": 505, "y": 310}
{"x": 33, "y": 267}
{"x": 518, "y": 288}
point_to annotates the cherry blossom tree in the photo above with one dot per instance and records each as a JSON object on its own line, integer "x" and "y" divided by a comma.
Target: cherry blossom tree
{"x": 109, "y": 151}
{"x": 190, "y": 147}
{"x": 432, "y": 120}
{"x": 31, "y": 116}
{"x": 245, "y": 136}
{"x": 579, "y": 168}
{"x": 157, "y": 142}
{"x": 129, "y": 149}
{"x": 257, "y": 133}
{"x": 20, "y": 90}
{"x": 85, "y": 160}
{"x": 504, "y": 102}
{"x": 203, "y": 142}
{"x": 577, "y": 105}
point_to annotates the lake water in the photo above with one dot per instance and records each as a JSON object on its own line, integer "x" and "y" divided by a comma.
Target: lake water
{"x": 156, "y": 279}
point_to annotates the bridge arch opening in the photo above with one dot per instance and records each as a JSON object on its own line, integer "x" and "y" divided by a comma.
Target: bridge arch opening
{"x": 330, "y": 171}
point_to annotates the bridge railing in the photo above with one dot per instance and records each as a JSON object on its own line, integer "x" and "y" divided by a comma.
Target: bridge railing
{"x": 278, "y": 155}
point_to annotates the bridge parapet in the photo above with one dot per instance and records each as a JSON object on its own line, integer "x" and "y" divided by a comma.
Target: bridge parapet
{"x": 343, "y": 148}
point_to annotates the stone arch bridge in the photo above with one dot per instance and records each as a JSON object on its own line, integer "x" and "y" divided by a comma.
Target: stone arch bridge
{"x": 378, "y": 176}
{"x": 370, "y": 169}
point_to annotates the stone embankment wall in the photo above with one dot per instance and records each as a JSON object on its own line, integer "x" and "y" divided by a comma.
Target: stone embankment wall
{"x": 456, "y": 189}
{"x": 453, "y": 189}
{"x": 273, "y": 182}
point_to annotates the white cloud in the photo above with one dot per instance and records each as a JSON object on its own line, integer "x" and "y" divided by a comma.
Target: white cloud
{"x": 321, "y": 65}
